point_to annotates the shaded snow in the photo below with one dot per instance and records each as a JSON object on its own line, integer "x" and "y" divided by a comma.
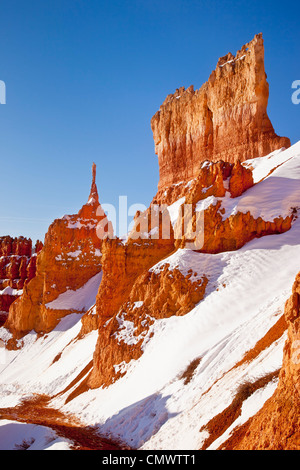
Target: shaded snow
{"x": 21, "y": 436}
{"x": 10, "y": 291}
{"x": 80, "y": 300}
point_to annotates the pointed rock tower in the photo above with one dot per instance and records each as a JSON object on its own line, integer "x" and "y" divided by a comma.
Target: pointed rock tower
{"x": 70, "y": 258}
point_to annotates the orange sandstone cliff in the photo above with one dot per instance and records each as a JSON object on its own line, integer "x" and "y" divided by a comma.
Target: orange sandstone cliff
{"x": 201, "y": 139}
{"x": 226, "y": 119}
{"x": 132, "y": 293}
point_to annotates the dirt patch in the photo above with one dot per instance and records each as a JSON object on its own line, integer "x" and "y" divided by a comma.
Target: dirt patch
{"x": 221, "y": 422}
{"x": 274, "y": 334}
{"x": 35, "y": 410}
{"x": 189, "y": 372}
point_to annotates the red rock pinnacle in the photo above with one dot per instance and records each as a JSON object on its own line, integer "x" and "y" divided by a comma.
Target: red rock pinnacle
{"x": 94, "y": 197}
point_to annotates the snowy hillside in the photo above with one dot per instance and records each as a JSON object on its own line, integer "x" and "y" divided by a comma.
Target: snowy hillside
{"x": 192, "y": 367}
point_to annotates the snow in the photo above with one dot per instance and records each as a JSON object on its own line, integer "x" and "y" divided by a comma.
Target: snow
{"x": 74, "y": 254}
{"x": 261, "y": 167}
{"x": 150, "y": 407}
{"x": 48, "y": 377}
{"x": 80, "y": 300}
{"x": 14, "y": 436}
{"x": 173, "y": 210}
{"x": 71, "y": 254}
{"x": 79, "y": 223}
{"x": 233, "y": 60}
{"x": 249, "y": 408}
{"x": 138, "y": 304}
{"x": 275, "y": 195}
{"x": 10, "y": 291}
{"x": 126, "y": 331}
{"x": 205, "y": 203}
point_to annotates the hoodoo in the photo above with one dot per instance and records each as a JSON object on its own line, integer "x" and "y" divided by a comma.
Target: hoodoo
{"x": 226, "y": 119}
{"x": 70, "y": 258}
{"x": 180, "y": 334}
{"x": 17, "y": 267}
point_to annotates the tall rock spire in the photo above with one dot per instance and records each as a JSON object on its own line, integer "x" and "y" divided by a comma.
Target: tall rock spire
{"x": 70, "y": 258}
{"x": 93, "y": 197}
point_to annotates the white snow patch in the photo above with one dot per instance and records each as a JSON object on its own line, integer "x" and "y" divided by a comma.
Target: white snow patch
{"x": 10, "y": 291}
{"x": 80, "y": 300}
{"x": 22, "y": 436}
{"x": 174, "y": 210}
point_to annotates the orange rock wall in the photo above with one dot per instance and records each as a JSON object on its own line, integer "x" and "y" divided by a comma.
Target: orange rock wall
{"x": 17, "y": 266}
{"x": 152, "y": 296}
{"x": 226, "y": 119}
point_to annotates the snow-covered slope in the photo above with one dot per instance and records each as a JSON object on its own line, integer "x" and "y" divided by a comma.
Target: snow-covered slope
{"x": 22, "y": 436}
{"x": 153, "y": 406}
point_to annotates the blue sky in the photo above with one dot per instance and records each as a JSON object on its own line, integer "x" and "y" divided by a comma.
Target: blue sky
{"x": 84, "y": 77}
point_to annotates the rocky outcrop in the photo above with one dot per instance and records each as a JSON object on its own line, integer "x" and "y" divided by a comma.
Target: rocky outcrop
{"x": 226, "y": 119}
{"x": 71, "y": 256}
{"x": 132, "y": 295}
{"x": 152, "y": 296}
{"x": 213, "y": 179}
{"x": 17, "y": 267}
{"x": 277, "y": 425}
{"x": 231, "y": 233}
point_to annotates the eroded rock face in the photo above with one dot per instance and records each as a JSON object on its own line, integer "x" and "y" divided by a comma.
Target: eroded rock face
{"x": 152, "y": 296}
{"x": 132, "y": 296}
{"x": 277, "y": 425}
{"x": 17, "y": 267}
{"x": 226, "y": 119}
{"x": 71, "y": 256}
{"x": 212, "y": 179}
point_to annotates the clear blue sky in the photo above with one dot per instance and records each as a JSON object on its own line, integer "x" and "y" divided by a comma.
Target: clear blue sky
{"x": 84, "y": 78}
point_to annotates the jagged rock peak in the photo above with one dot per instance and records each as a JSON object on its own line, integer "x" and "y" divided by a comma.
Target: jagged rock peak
{"x": 226, "y": 119}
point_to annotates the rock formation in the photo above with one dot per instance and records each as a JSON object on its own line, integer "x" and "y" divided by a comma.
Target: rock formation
{"x": 226, "y": 119}
{"x": 201, "y": 139}
{"x": 17, "y": 267}
{"x": 71, "y": 256}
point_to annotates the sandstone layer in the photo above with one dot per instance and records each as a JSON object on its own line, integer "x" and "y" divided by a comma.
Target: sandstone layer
{"x": 226, "y": 119}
